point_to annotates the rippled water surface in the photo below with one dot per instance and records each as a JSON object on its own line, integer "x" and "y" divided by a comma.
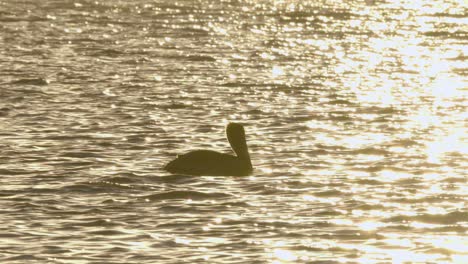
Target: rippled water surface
{"x": 355, "y": 112}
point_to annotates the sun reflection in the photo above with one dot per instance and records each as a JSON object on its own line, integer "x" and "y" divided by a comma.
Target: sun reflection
{"x": 183, "y": 241}
{"x": 369, "y": 225}
{"x": 455, "y": 244}
{"x": 390, "y": 176}
{"x": 454, "y": 142}
{"x": 137, "y": 246}
{"x": 284, "y": 255}
{"x": 422, "y": 225}
{"x": 277, "y": 71}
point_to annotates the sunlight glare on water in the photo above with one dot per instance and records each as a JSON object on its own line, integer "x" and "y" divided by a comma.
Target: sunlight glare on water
{"x": 355, "y": 114}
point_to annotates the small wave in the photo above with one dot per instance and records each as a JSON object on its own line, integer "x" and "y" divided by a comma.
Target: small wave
{"x": 455, "y": 180}
{"x": 93, "y": 187}
{"x": 194, "y": 195}
{"x": 15, "y": 172}
{"x": 379, "y": 110}
{"x": 328, "y": 212}
{"x": 200, "y": 58}
{"x": 80, "y": 154}
{"x": 446, "y": 34}
{"x": 14, "y": 18}
{"x": 119, "y": 180}
{"x": 370, "y": 151}
{"x": 68, "y": 137}
{"x": 106, "y": 233}
{"x": 33, "y": 81}
{"x": 176, "y": 179}
{"x": 24, "y": 257}
{"x": 428, "y": 199}
{"x": 341, "y": 102}
{"x": 236, "y": 204}
{"x": 369, "y": 182}
{"x": 404, "y": 143}
{"x": 4, "y": 111}
{"x": 447, "y": 219}
{"x": 352, "y": 234}
{"x": 107, "y": 53}
{"x": 9, "y": 235}
{"x": 80, "y": 187}
{"x": 175, "y": 106}
{"x": 54, "y": 250}
{"x": 99, "y": 223}
{"x": 329, "y": 193}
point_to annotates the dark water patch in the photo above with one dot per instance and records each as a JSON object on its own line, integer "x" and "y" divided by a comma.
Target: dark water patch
{"x": 455, "y": 180}
{"x": 378, "y": 110}
{"x": 451, "y": 15}
{"x": 369, "y": 182}
{"x": 33, "y": 81}
{"x": 372, "y": 168}
{"x": 113, "y": 250}
{"x": 91, "y": 187}
{"x": 178, "y": 225}
{"x": 80, "y": 154}
{"x": 36, "y": 190}
{"x": 174, "y": 106}
{"x": 5, "y": 111}
{"x": 14, "y": 18}
{"x": 328, "y": 212}
{"x": 98, "y": 223}
{"x": 9, "y": 235}
{"x": 136, "y": 139}
{"x": 23, "y": 257}
{"x": 16, "y": 172}
{"x": 428, "y": 199}
{"x": 460, "y": 57}
{"x": 447, "y": 219}
{"x": 113, "y": 53}
{"x": 176, "y": 179}
{"x": 371, "y": 207}
{"x": 76, "y": 165}
{"x": 370, "y": 151}
{"x": 190, "y": 58}
{"x": 176, "y": 209}
{"x": 302, "y": 185}
{"x": 105, "y": 233}
{"x": 203, "y": 58}
{"x": 69, "y": 137}
{"x": 193, "y": 195}
{"x": 330, "y": 193}
{"x": 54, "y": 250}
{"x": 441, "y": 251}
{"x": 236, "y": 204}
{"x": 462, "y": 35}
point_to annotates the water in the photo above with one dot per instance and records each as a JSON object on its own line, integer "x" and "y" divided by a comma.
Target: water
{"x": 355, "y": 115}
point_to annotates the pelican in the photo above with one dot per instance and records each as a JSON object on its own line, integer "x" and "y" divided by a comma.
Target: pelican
{"x": 212, "y": 163}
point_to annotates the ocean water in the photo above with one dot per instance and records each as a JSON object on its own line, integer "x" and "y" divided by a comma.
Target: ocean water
{"x": 355, "y": 114}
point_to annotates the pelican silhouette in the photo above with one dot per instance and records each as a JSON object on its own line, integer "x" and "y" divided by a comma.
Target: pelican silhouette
{"x": 212, "y": 163}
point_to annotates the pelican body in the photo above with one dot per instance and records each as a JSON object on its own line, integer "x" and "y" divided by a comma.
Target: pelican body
{"x": 208, "y": 162}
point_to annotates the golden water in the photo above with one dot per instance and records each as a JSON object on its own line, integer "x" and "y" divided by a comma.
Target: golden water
{"x": 355, "y": 113}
